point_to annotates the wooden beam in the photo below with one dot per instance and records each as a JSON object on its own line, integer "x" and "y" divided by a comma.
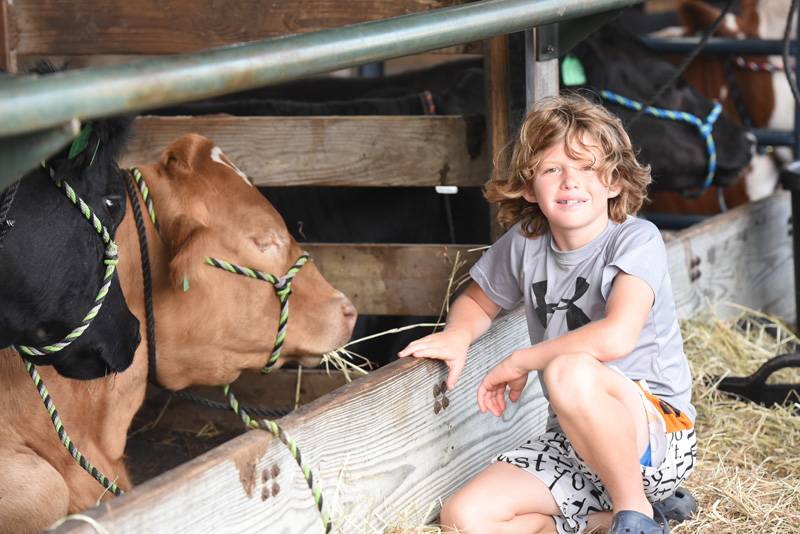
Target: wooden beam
{"x": 742, "y": 256}
{"x": 353, "y": 151}
{"x": 393, "y": 279}
{"x": 75, "y": 27}
{"x": 381, "y": 450}
{"x": 498, "y": 86}
{"x": 8, "y": 40}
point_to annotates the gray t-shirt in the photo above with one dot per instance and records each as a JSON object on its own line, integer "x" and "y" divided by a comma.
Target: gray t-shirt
{"x": 565, "y": 290}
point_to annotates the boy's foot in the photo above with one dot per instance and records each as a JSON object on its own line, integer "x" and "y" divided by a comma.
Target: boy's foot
{"x": 678, "y": 507}
{"x": 630, "y": 522}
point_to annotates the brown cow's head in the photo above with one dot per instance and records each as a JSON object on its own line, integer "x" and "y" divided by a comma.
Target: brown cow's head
{"x": 226, "y": 322}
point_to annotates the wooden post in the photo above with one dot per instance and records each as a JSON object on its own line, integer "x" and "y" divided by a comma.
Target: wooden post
{"x": 541, "y": 63}
{"x": 497, "y": 106}
{"x": 8, "y": 54}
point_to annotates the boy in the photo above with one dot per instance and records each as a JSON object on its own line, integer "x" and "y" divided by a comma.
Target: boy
{"x": 604, "y": 334}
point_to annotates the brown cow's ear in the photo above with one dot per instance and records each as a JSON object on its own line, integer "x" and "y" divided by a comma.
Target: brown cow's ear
{"x": 186, "y": 152}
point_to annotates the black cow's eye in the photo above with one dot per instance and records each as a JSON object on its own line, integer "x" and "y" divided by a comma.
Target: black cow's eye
{"x": 112, "y": 201}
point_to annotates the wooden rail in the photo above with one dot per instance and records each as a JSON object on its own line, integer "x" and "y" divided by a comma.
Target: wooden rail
{"x": 355, "y": 151}
{"x": 381, "y": 449}
{"x": 89, "y": 27}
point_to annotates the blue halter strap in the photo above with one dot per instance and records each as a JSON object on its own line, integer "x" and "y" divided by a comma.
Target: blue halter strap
{"x": 704, "y": 127}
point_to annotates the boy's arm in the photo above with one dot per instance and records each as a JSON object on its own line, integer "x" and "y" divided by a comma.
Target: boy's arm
{"x": 610, "y": 338}
{"x": 470, "y": 316}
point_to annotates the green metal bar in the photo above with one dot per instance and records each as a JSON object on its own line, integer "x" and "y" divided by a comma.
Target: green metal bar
{"x": 31, "y": 103}
{"x": 20, "y": 154}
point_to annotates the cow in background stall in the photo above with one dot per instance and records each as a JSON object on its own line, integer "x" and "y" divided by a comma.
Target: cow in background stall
{"x": 752, "y": 89}
{"x": 223, "y": 325}
{"x": 614, "y": 60}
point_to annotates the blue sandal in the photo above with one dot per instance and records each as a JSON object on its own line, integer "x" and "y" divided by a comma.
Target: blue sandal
{"x": 631, "y": 522}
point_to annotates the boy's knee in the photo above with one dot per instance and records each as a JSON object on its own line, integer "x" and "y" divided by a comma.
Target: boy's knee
{"x": 461, "y": 514}
{"x": 569, "y": 375}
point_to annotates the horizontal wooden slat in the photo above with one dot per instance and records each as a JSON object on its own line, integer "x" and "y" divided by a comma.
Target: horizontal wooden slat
{"x": 742, "y": 256}
{"x": 68, "y": 27}
{"x": 354, "y": 151}
{"x": 392, "y": 279}
{"x": 378, "y": 447}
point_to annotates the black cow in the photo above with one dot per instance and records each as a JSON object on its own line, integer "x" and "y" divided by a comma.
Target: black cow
{"x": 616, "y": 61}
{"x": 52, "y": 260}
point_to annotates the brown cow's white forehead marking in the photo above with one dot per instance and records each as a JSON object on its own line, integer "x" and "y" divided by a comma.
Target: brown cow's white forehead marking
{"x": 216, "y": 155}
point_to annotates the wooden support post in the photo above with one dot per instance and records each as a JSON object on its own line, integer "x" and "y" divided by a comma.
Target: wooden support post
{"x": 497, "y": 97}
{"x": 8, "y": 54}
{"x": 541, "y": 63}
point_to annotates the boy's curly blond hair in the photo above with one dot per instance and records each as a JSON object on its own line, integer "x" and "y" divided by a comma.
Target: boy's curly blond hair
{"x": 574, "y": 121}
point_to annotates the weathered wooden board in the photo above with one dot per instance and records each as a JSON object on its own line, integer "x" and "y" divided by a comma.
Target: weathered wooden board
{"x": 377, "y": 445}
{"x": 354, "y": 151}
{"x": 393, "y": 279}
{"x": 380, "y": 449}
{"x": 742, "y": 256}
{"x": 68, "y": 27}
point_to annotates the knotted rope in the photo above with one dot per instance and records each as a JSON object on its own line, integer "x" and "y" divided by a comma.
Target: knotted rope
{"x": 283, "y": 289}
{"x": 30, "y": 355}
{"x": 111, "y": 257}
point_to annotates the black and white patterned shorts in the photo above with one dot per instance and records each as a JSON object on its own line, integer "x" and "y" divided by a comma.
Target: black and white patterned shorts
{"x": 579, "y": 492}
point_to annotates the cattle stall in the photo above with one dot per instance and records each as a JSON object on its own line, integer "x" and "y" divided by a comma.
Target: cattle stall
{"x": 410, "y": 465}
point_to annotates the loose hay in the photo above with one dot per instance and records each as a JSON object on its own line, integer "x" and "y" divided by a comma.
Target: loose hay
{"x": 747, "y": 478}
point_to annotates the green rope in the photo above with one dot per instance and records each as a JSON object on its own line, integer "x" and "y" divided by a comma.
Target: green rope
{"x": 62, "y": 433}
{"x": 111, "y": 257}
{"x": 283, "y": 289}
{"x": 29, "y": 354}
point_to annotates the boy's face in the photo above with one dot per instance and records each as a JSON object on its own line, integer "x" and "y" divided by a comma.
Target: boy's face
{"x": 571, "y": 194}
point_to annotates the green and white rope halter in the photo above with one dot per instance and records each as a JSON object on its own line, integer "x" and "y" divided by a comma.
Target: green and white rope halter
{"x": 30, "y": 355}
{"x": 283, "y": 289}
{"x": 111, "y": 257}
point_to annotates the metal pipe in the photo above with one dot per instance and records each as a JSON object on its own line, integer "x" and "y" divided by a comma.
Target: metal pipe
{"x": 767, "y": 137}
{"x": 32, "y": 103}
{"x": 717, "y": 45}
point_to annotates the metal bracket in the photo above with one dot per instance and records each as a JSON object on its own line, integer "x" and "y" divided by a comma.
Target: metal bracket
{"x": 21, "y": 153}
{"x": 546, "y": 42}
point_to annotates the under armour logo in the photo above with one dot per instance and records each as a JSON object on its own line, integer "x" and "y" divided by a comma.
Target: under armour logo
{"x": 575, "y": 316}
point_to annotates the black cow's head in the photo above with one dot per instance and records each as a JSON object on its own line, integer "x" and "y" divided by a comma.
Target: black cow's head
{"x": 52, "y": 260}
{"x": 616, "y": 61}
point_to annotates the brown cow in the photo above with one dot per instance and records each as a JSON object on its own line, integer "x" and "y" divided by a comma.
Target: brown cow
{"x": 223, "y": 325}
{"x": 761, "y": 82}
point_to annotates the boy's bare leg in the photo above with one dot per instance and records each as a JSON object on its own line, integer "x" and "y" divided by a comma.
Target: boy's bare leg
{"x": 599, "y": 522}
{"x": 502, "y": 499}
{"x": 602, "y": 415}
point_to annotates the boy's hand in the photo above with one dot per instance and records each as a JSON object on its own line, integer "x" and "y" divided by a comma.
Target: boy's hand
{"x": 491, "y": 392}
{"x": 449, "y": 346}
